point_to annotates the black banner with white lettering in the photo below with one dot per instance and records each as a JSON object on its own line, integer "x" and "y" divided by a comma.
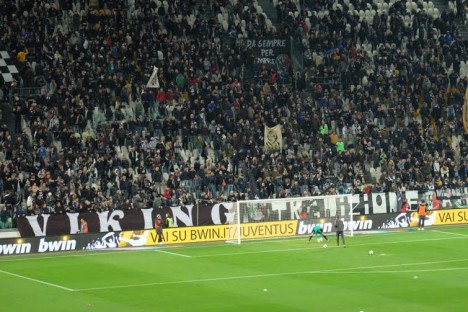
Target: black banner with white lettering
{"x": 118, "y": 220}
{"x": 274, "y": 53}
{"x": 407, "y": 221}
{"x": 217, "y": 214}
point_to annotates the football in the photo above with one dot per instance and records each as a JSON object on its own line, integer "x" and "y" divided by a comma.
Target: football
{"x": 371, "y": 252}
{"x": 325, "y": 246}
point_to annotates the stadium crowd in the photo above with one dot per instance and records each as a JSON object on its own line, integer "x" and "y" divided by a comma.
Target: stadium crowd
{"x": 376, "y": 109}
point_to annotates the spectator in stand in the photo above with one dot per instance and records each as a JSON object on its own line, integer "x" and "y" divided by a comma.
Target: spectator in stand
{"x": 6, "y": 218}
{"x": 83, "y": 226}
{"x": 21, "y": 56}
{"x": 405, "y": 207}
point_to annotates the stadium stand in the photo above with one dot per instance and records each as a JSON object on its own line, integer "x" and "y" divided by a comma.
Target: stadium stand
{"x": 85, "y": 128}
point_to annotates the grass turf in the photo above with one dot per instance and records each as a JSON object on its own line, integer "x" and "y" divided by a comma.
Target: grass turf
{"x": 409, "y": 271}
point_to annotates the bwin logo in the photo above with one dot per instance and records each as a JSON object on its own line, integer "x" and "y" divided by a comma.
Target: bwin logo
{"x": 10, "y": 249}
{"x": 63, "y": 245}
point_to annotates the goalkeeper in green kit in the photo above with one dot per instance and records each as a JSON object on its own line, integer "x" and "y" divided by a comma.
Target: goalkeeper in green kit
{"x": 318, "y": 231}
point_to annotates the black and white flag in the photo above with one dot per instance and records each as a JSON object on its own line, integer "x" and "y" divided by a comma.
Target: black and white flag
{"x": 153, "y": 81}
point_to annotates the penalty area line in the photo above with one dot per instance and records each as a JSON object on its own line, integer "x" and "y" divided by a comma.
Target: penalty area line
{"x": 398, "y": 271}
{"x": 309, "y": 247}
{"x": 36, "y": 280}
{"x": 351, "y": 270}
{"x": 445, "y": 232}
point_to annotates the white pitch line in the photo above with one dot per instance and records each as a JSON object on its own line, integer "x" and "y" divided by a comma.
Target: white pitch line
{"x": 309, "y": 248}
{"x": 254, "y": 252}
{"x": 399, "y": 271}
{"x": 217, "y": 279}
{"x": 400, "y": 265}
{"x": 36, "y": 280}
{"x": 444, "y": 232}
{"x": 173, "y": 253}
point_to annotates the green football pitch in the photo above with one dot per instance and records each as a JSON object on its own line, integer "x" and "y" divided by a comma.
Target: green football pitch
{"x": 409, "y": 271}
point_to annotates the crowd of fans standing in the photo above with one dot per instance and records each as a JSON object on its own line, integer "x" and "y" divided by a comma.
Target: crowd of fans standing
{"x": 386, "y": 92}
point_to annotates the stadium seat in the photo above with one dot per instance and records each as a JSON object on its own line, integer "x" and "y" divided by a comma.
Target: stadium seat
{"x": 225, "y": 25}
{"x": 452, "y": 7}
{"x": 425, "y": 4}
{"x": 385, "y": 7}
{"x": 431, "y": 12}
{"x": 408, "y": 21}
{"x": 183, "y": 155}
{"x": 380, "y": 7}
{"x": 191, "y": 20}
{"x": 220, "y": 18}
{"x": 463, "y": 73}
{"x": 149, "y": 177}
{"x": 408, "y": 6}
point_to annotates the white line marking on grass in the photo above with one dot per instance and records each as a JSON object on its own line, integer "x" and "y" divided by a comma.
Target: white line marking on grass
{"x": 400, "y": 265}
{"x": 217, "y": 279}
{"x": 314, "y": 248}
{"x": 173, "y": 253}
{"x": 397, "y": 271}
{"x": 255, "y": 252}
{"x": 36, "y": 280}
{"x": 457, "y": 234}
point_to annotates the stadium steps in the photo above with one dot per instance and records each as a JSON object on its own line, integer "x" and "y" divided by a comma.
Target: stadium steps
{"x": 442, "y": 6}
{"x": 436, "y": 130}
{"x": 5, "y": 113}
{"x": 269, "y": 9}
{"x": 26, "y": 129}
